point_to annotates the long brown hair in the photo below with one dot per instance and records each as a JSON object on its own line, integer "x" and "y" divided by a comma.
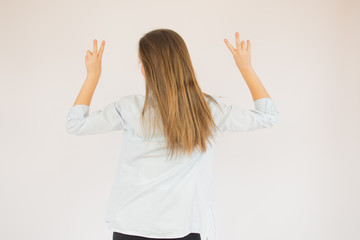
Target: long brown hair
{"x": 171, "y": 86}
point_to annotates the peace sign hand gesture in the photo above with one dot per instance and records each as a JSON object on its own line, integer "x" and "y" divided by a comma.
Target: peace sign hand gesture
{"x": 93, "y": 59}
{"x": 242, "y": 53}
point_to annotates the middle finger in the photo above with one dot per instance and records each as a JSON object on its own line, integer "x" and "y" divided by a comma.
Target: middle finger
{"x": 101, "y": 50}
{"x": 237, "y": 40}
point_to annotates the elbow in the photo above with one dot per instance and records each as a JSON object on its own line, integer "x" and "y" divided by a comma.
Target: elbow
{"x": 72, "y": 127}
{"x": 272, "y": 119}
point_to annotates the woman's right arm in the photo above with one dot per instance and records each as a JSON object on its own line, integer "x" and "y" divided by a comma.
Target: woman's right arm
{"x": 235, "y": 117}
{"x": 242, "y": 57}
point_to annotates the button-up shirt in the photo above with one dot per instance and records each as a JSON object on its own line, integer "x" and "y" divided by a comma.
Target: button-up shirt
{"x": 154, "y": 196}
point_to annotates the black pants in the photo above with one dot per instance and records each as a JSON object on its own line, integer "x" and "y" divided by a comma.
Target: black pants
{"x": 122, "y": 236}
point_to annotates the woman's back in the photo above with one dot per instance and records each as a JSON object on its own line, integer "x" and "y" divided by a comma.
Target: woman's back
{"x": 153, "y": 195}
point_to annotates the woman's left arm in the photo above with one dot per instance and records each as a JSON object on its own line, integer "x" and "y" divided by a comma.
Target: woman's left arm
{"x": 79, "y": 120}
{"x": 93, "y": 68}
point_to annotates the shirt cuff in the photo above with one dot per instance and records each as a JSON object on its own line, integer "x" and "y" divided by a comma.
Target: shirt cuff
{"x": 262, "y": 104}
{"x": 78, "y": 111}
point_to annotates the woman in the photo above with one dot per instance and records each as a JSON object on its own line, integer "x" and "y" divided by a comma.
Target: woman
{"x": 164, "y": 186}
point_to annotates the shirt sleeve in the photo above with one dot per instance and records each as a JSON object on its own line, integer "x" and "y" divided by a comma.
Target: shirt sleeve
{"x": 80, "y": 121}
{"x": 235, "y": 118}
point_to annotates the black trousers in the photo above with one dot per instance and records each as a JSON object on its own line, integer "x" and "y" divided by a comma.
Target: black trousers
{"x": 122, "y": 236}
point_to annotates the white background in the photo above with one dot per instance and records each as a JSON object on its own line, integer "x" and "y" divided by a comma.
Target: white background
{"x": 297, "y": 180}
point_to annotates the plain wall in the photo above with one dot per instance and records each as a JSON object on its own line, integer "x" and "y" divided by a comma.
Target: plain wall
{"x": 298, "y": 180}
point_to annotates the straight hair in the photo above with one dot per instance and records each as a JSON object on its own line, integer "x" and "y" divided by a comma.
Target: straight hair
{"x": 173, "y": 93}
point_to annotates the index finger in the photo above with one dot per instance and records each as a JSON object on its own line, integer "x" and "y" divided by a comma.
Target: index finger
{"x": 231, "y": 48}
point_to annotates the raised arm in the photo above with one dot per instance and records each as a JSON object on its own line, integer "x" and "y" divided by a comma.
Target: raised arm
{"x": 242, "y": 56}
{"x": 93, "y": 68}
{"x": 234, "y": 118}
{"x": 80, "y": 121}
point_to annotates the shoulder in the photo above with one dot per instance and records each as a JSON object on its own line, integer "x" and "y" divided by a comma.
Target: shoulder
{"x": 130, "y": 104}
{"x": 216, "y": 97}
{"x": 215, "y": 101}
{"x": 132, "y": 98}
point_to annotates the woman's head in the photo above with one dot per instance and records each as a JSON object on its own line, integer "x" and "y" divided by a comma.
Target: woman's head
{"x": 171, "y": 84}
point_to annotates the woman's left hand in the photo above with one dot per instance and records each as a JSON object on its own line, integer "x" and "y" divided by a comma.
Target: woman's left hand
{"x": 93, "y": 59}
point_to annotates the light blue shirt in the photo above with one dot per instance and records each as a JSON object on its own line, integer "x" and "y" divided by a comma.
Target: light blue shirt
{"x": 153, "y": 196}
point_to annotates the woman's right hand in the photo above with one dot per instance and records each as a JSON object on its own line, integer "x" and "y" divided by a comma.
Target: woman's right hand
{"x": 242, "y": 53}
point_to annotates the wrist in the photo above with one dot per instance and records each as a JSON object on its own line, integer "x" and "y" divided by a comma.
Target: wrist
{"x": 247, "y": 68}
{"x": 92, "y": 76}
